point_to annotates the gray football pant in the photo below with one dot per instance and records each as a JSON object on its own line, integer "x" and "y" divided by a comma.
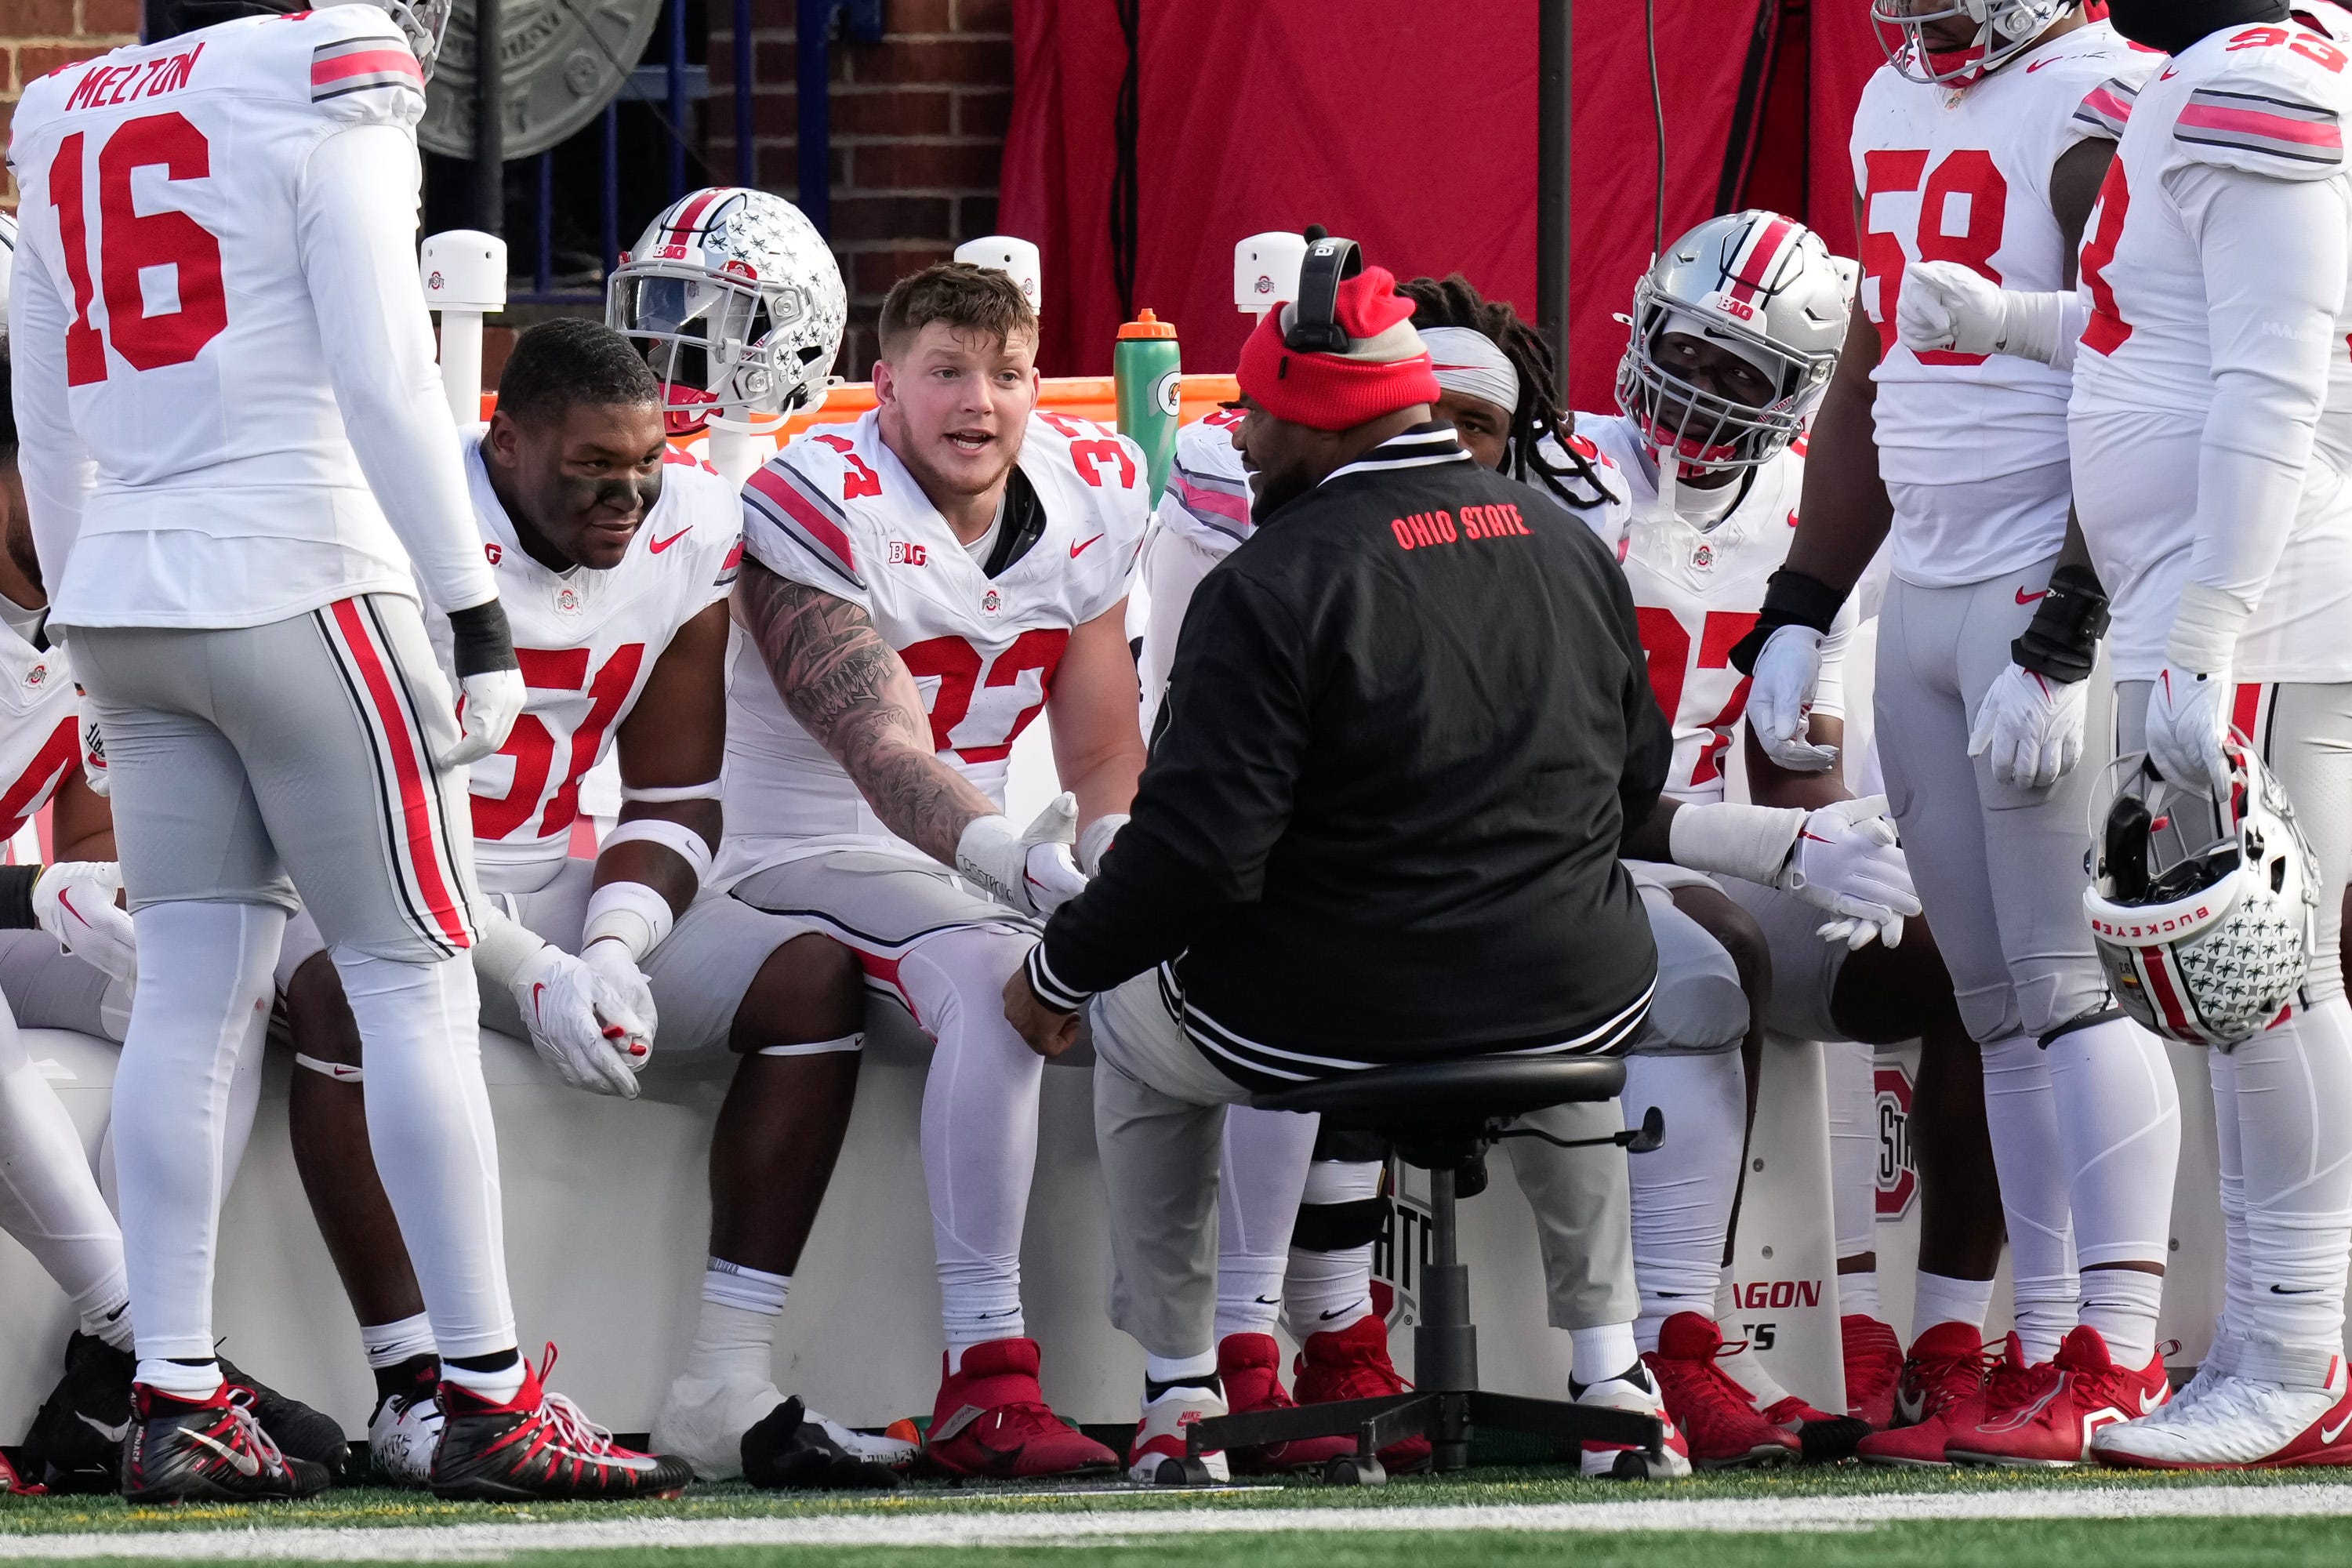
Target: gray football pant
{"x": 2000, "y": 869}
{"x": 1160, "y": 1124}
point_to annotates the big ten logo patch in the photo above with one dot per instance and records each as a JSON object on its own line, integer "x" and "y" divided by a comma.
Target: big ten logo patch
{"x": 905, "y": 554}
{"x": 1898, "y": 1178}
{"x": 1399, "y": 1255}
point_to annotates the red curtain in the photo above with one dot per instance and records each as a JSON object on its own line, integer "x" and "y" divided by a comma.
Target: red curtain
{"x": 1408, "y": 126}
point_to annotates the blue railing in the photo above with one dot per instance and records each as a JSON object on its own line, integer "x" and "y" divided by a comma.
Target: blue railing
{"x": 672, "y": 87}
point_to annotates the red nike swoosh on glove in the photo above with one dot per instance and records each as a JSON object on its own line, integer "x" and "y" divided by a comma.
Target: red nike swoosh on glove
{"x": 2025, "y": 598}
{"x": 65, "y": 897}
{"x": 1814, "y": 836}
{"x": 535, "y": 990}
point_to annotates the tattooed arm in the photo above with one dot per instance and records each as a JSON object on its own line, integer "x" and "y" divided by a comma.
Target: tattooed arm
{"x": 849, "y": 690}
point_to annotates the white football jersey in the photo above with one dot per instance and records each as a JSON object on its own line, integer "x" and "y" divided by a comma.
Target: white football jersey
{"x": 39, "y": 729}
{"x": 837, "y": 510}
{"x": 217, "y": 241}
{"x": 1965, "y": 177}
{"x": 1208, "y": 494}
{"x": 1698, "y": 591}
{"x": 2268, "y": 102}
{"x": 587, "y": 640}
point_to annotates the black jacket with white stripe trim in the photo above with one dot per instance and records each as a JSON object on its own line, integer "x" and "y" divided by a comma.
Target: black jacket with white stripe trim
{"x": 1407, "y": 725}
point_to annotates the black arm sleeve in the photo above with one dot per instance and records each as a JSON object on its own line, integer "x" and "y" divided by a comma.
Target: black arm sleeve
{"x": 1212, "y": 803}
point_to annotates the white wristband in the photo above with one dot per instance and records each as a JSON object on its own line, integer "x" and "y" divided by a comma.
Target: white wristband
{"x": 2206, "y": 625}
{"x": 1096, "y": 841}
{"x": 670, "y": 795}
{"x": 2074, "y": 315}
{"x": 1750, "y": 842}
{"x": 502, "y": 944}
{"x": 675, "y": 837}
{"x": 631, "y": 913}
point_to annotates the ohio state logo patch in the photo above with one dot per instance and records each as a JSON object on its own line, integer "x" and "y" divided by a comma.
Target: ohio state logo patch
{"x": 1898, "y": 1177}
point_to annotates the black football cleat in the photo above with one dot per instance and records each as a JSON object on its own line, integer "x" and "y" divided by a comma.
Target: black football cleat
{"x": 786, "y": 1452}
{"x": 539, "y": 1446}
{"x": 213, "y": 1450}
{"x": 76, "y": 1441}
{"x": 294, "y": 1426}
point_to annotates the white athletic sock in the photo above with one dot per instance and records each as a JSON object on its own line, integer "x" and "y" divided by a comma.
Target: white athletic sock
{"x": 499, "y": 1387}
{"x": 49, "y": 1200}
{"x": 389, "y": 1344}
{"x": 1940, "y": 1299}
{"x": 1683, "y": 1192}
{"x": 752, "y": 1290}
{"x": 179, "y": 1379}
{"x": 1194, "y": 1370}
{"x": 2119, "y": 1125}
{"x": 1326, "y": 1293}
{"x": 1604, "y": 1352}
{"x": 204, "y": 968}
{"x": 1267, "y": 1155}
{"x": 1853, "y": 1083}
{"x": 1858, "y": 1295}
{"x": 2122, "y": 1304}
{"x": 735, "y": 1336}
{"x": 429, "y": 1118}
{"x": 2295, "y": 1127}
{"x": 2021, "y": 1115}
{"x": 2238, "y": 1279}
{"x": 979, "y": 1129}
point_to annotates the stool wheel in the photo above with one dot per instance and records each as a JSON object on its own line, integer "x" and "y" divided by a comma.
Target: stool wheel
{"x": 1641, "y": 1464}
{"x": 1348, "y": 1470}
{"x": 1185, "y": 1472}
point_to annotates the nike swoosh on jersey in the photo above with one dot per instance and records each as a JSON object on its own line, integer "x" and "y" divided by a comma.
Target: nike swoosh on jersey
{"x": 1080, "y": 546}
{"x": 2025, "y": 598}
{"x": 658, "y": 545}
{"x": 246, "y": 1465}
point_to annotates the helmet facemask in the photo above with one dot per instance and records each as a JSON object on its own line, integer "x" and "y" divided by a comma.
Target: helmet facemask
{"x": 424, "y": 23}
{"x": 1705, "y": 431}
{"x": 712, "y": 340}
{"x": 2001, "y": 28}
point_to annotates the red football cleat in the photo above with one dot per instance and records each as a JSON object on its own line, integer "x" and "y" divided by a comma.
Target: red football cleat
{"x": 1353, "y": 1363}
{"x": 991, "y": 1420}
{"x": 1717, "y": 1417}
{"x": 1250, "y": 1366}
{"x": 15, "y": 1484}
{"x": 1942, "y": 1382}
{"x": 2050, "y": 1422}
{"x": 1874, "y": 1363}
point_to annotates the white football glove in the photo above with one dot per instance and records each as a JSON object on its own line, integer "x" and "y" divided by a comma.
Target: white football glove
{"x": 1096, "y": 841}
{"x": 2032, "y": 725}
{"x": 93, "y": 758}
{"x": 1780, "y": 701}
{"x": 74, "y": 902}
{"x": 1944, "y": 305}
{"x": 578, "y": 1022}
{"x": 1034, "y": 871}
{"x": 488, "y": 705}
{"x": 610, "y": 960}
{"x": 1847, "y": 861}
{"x": 2187, "y": 717}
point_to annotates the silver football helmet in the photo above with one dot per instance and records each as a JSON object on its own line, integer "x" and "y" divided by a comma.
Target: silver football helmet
{"x": 1761, "y": 285}
{"x": 2003, "y": 27}
{"x": 425, "y": 23}
{"x": 2203, "y": 912}
{"x": 735, "y": 300}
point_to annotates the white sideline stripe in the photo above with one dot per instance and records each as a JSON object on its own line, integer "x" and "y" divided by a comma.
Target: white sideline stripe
{"x": 478, "y": 1543}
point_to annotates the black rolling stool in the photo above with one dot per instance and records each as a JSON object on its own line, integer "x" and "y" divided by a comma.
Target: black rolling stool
{"x": 1442, "y": 1116}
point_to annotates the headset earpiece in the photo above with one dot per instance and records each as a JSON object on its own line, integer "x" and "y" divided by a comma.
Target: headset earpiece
{"x": 1314, "y": 325}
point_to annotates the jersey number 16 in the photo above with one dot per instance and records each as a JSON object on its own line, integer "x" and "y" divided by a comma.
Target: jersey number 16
{"x": 129, "y": 247}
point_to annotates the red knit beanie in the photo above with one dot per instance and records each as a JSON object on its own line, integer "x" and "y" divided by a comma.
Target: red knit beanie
{"x": 1384, "y": 369}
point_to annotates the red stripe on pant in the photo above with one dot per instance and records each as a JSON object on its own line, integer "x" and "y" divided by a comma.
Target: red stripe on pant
{"x": 415, "y": 810}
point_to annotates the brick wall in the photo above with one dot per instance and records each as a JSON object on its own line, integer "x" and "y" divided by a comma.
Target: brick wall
{"x": 918, "y": 136}
{"x": 37, "y": 36}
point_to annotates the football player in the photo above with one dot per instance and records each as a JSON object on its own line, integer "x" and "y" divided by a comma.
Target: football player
{"x": 1710, "y": 444}
{"x": 1978, "y": 148}
{"x": 2210, "y": 426}
{"x": 917, "y": 587}
{"x": 240, "y": 463}
{"x": 614, "y": 553}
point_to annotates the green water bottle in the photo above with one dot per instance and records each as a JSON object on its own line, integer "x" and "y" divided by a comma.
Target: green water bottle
{"x": 1148, "y": 374}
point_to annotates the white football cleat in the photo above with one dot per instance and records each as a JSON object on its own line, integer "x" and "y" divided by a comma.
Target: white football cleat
{"x": 2277, "y": 1405}
{"x": 1632, "y": 1390}
{"x": 704, "y": 1419}
{"x": 1158, "y": 1455}
{"x": 2220, "y": 1357}
{"x": 402, "y": 1436}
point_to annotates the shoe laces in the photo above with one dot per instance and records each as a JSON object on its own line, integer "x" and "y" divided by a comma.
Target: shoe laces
{"x": 255, "y": 1436}
{"x": 1879, "y": 1357}
{"x": 1944, "y": 1381}
{"x": 2008, "y": 1384}
{"x": 566, "y": 1422}
{"x": 1706, "y": 1373}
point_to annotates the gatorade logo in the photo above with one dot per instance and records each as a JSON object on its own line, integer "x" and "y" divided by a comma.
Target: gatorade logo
{"x": 1167, "y": 392}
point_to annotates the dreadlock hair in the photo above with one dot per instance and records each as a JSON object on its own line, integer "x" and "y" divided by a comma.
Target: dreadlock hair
{"x": 1454, "y": 301}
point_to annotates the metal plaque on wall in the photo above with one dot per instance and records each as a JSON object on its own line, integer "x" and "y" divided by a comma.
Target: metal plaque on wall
{"x": 564, "y": 60}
